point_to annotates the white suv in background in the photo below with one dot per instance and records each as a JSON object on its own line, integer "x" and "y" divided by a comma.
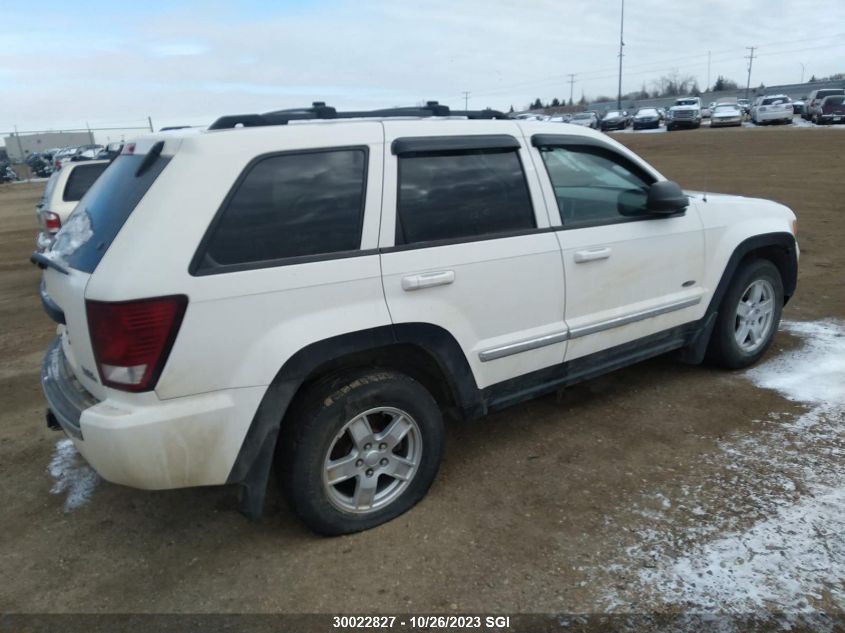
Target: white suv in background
{"x": 64, "y": 190}
{"x": 323, "y": 288}
{"x": 772, "y": 109}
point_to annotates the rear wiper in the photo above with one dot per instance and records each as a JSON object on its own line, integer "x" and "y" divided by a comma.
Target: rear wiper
{"x": 42, "y": 261}
{"x": 150, "y": 158}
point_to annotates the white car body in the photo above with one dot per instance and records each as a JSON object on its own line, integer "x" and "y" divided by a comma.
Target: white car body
{"x": 511, "y": 304}
{"x": 62, "y": 193}
{"x": 772, "y": 108}
{"x": 685, "y": 113}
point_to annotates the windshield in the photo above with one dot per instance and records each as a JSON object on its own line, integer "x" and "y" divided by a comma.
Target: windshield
{"x": 775, "y": 100}
{"x": 647, "y": 112}
{"x": 686, "y": 102}
{"x": 583, "y": 115}
{"x": 613, "y": 113}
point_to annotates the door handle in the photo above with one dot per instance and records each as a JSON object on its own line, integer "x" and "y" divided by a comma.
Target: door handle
{"x": 591, "y": 255}
{"x": 428, "y": 280}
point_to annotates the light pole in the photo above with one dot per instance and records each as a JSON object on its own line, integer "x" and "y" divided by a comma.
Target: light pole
{"x": 802, "y": 71}
{"x": 621, "y": 45}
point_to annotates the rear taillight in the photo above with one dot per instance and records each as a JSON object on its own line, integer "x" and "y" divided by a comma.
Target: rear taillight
{"x": 132, "y": 339}
{"x": 52, "y": 222}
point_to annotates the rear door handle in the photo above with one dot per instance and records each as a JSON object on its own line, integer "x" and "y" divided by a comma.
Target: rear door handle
{"x": 428, "y": 280}
{"x": 591, "y": 255}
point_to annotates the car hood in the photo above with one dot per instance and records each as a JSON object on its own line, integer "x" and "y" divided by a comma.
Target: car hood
{"x": 727, "y": 114}
{"x": 683, "y": 107}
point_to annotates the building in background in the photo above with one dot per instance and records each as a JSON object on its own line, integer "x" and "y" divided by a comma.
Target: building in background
{"x": 19, "y": 146}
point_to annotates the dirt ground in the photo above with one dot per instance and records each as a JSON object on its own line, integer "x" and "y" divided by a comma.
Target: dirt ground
{"x": 569, "y": 503}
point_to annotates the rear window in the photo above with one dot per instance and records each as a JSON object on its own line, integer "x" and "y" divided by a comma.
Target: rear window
{"x": 835, "y": 100}
{"x": 80, "y": 181}
{"x": 821, "y": 94}
{"x": 104, "y": 209}
{"x": 775, "y": 100}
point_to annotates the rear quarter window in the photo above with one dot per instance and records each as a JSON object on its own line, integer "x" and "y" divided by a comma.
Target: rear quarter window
{"x": 289, "y": 208}
{"x": 80, "y": 181}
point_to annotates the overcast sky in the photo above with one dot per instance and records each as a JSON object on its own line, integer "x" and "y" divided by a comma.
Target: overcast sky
{"x": 65, "y": 63}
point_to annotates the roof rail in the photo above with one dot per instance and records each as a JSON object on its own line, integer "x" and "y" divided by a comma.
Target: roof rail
{"x": 319, "y": 110}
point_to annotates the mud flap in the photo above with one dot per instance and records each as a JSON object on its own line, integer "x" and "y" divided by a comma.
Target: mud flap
{"x": 253, "y": 488}
{"x": 693, "y": 353}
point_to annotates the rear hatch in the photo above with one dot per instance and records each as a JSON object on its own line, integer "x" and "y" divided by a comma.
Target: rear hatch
{"x": 83, "y": 241}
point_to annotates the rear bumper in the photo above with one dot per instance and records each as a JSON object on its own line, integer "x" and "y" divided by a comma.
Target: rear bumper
{"x": 831, "y": 118}
{"x": 765, "y": 117}
{"x": 152, "y": 444}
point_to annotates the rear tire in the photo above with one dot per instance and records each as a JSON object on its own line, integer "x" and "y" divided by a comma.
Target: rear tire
{"x": 359, "y": 450}
{"x": 748, "y": 316}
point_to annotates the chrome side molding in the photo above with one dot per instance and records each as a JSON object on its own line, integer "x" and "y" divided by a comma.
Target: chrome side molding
{"x": 585, "y": 330}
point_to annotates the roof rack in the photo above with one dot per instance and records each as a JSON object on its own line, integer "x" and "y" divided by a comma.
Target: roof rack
{"x": 319, "y": 110}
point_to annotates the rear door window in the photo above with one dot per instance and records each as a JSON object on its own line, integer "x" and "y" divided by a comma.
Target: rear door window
{"x": 80, "y": 181}
{"x": 289, "y": 207}
{"x": 461, "y": 195}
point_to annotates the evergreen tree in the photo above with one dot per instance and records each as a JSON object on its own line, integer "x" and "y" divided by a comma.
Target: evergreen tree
{"x": 555, "y": 102}
{"x": 511, "y": 110}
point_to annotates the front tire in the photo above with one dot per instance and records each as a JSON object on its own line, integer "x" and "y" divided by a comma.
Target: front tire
{"x": 748, "y": 316}
{"x": 359, "y": 450}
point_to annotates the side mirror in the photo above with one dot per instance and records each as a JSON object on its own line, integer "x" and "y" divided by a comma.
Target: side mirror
{"x": 666, "y": 198}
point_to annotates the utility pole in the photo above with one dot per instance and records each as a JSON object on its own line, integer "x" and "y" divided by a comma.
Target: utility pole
{"x": 708, "y": 71}
{"x": 466, "y": 99}
{"x": 621, "y": 45}
{"x": 750, "y": 58}
{"x": 150, "y": 121}
{"x": 571, "y": 87}
{"x": 802, "y": 71}
{"x": 20, "y": 147}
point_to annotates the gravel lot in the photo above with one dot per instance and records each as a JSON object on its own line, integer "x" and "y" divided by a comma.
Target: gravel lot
{"x": 660, "y": 487}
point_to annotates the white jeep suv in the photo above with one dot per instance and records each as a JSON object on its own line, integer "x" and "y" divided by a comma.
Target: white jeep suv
{"x": 320, "y": 289}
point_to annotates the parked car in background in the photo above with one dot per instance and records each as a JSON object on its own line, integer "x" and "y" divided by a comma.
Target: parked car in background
{"x": 705, "y": 111}
{"x": 110, "y": 151}
{"x": 726, "y": 115}
{"x": 745, "y": 104}
{"x": 798, "y": 106}
{"x": 87, "y": 152}
{"x": 321, "y": 304}
{"x": 40, "y": 164}
{"x": 61, "y": 195}
{"x": 685, "y": 113}
{"x": 614, "y": 120}
{"x": 832, "y": 110}
{"x": 812, "y": 107}
{"x": 646, "y": 118}
{"x": 63, "y": 155}
{"x": 586, "y": 119}
{"x": 772, "y": 109}
{"x": 7, "y": 172}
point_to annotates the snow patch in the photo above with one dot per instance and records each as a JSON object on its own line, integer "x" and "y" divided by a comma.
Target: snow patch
{"x": 765, "y": 531}
{"x": 76, "y": 231}
{"x": 73, "y": 477}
